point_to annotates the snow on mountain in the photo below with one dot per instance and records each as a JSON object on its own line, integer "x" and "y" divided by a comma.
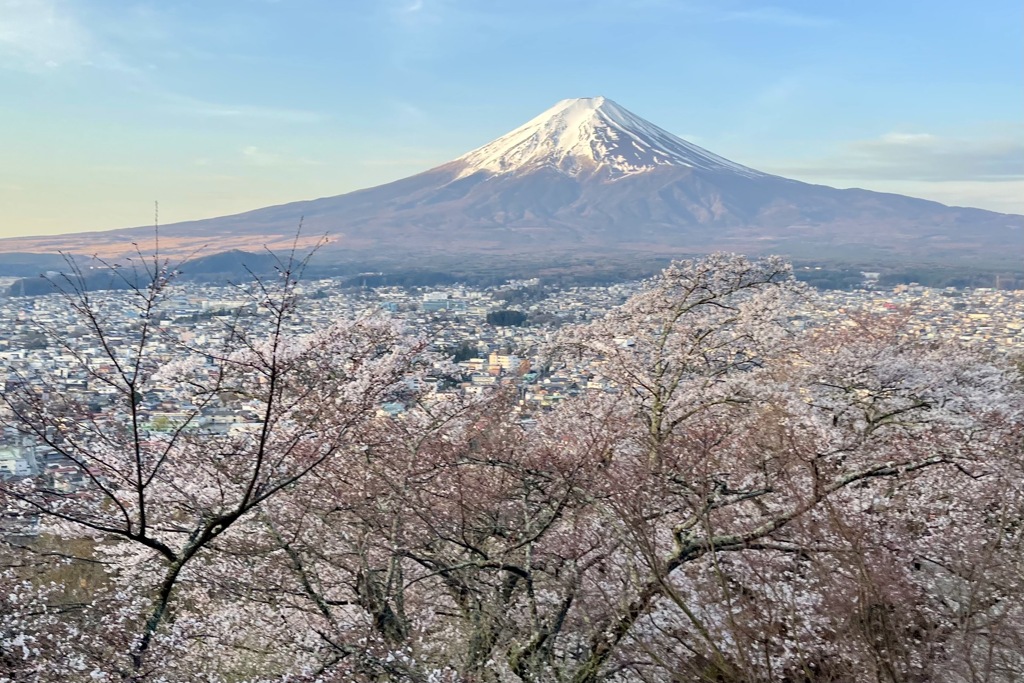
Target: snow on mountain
{"x": 587, "y": 177}
{"x": 590, "y": 134}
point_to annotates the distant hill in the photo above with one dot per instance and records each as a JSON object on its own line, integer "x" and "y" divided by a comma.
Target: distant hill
{"x": 89, "y": 280}
{"x": 30, "y": 265}
{"x": 228, "y": 265}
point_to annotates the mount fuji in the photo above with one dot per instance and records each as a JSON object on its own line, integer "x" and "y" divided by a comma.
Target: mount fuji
{"x": 589, "y": 177}
{"x": 585, "y": 136}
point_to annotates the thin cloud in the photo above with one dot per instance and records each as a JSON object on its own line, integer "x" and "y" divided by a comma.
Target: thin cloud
{"x": 415, "y": 163}
{"x": 220, "y": 110}
{"x": 257, "y": 156}
{"x": 421, "y": 30}
{"x": 40, "y": 34}
{"x": 413, "y": 14}
{"x": 919, "y": 156}
{"x": 768, "y": 15}
{"x": 907, "y": 138}
{"x": 779, "y": 93}
{"x": 1006, "y": 196}
{"x": 776, "y": 16}
{"x": 409, "y": 111}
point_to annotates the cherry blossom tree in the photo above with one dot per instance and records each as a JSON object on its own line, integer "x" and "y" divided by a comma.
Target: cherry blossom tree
{"x": 751, "y": 501}
{"x": 753, "y": 451}
{"x": 747, "y": 507}
{"x": 157, "y": 502}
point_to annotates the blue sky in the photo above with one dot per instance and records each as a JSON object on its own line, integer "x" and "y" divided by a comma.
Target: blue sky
{"x": 219, "y": 106}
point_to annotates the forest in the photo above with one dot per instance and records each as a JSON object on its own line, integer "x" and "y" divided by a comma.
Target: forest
{"x": 754, "y": 500}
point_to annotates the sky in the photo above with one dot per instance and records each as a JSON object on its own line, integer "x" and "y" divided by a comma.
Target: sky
{"x": 213, "y": 107}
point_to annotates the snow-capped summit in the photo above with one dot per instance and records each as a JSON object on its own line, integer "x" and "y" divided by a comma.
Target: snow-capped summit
{"x": 588, "y": 134}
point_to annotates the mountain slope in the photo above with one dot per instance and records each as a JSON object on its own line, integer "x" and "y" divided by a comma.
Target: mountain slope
{"x": 589, "y": 177}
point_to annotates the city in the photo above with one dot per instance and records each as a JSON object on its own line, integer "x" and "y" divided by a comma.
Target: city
{"x": 473, "y": 356}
